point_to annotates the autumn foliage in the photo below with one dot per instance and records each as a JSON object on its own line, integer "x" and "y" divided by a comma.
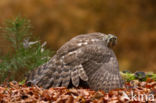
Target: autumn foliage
{"x": 13, "y": 92}
{"x": 56, "y": 21}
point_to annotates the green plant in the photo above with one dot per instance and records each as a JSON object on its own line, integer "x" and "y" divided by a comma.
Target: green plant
{"x": 151, "y": 75}
{"x": 131, "y": 76}
{"x": 128, "y": 76}
{"x": 25, "y": 54}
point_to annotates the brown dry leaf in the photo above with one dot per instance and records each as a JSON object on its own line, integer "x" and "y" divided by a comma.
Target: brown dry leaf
{"x": 15, "y": 93}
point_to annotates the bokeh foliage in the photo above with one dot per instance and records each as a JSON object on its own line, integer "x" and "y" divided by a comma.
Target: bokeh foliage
{"x": 56, "y": 21}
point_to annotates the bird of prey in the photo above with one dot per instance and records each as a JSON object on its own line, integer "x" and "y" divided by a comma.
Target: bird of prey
{"x": 86, "y": 57}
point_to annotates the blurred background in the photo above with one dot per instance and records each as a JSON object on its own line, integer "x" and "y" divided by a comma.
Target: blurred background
{"x": 57, "y": 21}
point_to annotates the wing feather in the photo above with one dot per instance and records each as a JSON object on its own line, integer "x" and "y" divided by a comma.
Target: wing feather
{"x": 105, "y": 68}
{"x": 82, "y": 73}
{"x": 94, "y": 63}
{"x": 75, "y": 77}
{"x": 66, "y": 76}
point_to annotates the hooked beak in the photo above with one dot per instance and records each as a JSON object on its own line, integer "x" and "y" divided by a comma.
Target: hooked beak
{"x": 112, "y": 42}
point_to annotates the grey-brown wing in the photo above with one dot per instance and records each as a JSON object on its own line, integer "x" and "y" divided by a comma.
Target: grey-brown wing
{"x": 45, "y": 75}
{"x": 59, "y": 71}
{"x": 78, "y": 42}
{"x": 81, "y": 62}
{"x": 103, "y": 70}
{"x": 71, "y": 45}
{"x": 106, "y": 78}
{"x": 86, "y": 63}
{"x": 71, "y": 65}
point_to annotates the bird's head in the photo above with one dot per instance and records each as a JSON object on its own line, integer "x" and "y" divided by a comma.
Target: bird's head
{"x": 111, "y": 40}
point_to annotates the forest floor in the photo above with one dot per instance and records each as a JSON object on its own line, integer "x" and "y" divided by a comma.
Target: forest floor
{"x": 135, "y": 92}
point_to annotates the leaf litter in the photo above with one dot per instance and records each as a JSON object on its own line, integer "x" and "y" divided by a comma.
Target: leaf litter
{"x": 134, "y": 92}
